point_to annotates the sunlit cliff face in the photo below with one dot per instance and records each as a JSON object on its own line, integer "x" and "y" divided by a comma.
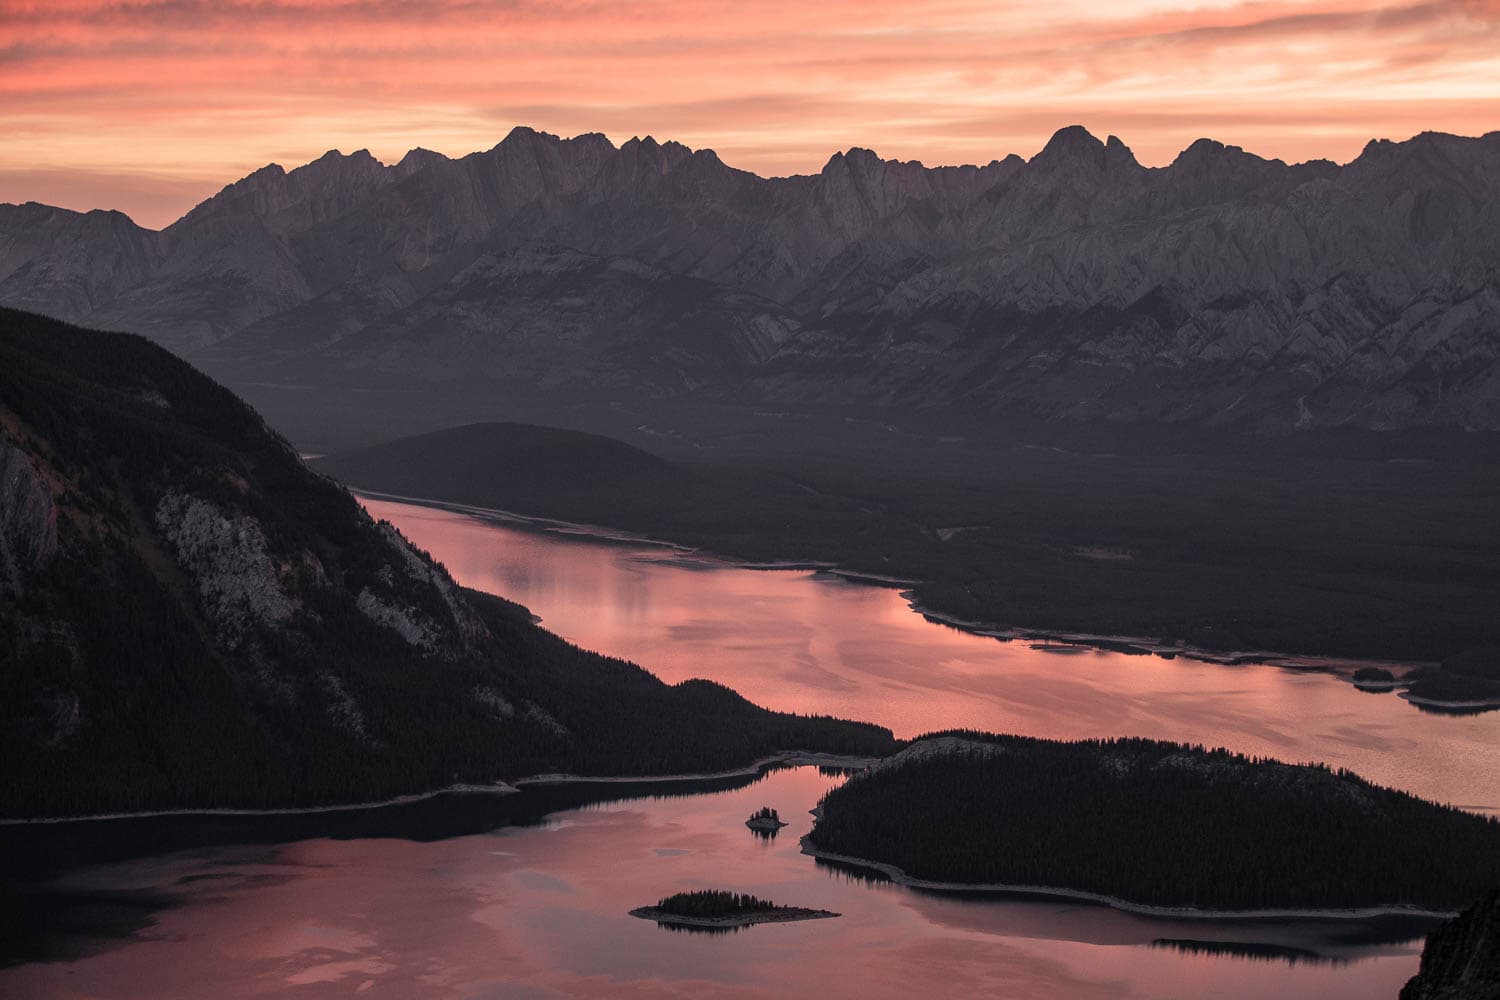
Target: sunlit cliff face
{"x": 150, "y": 105}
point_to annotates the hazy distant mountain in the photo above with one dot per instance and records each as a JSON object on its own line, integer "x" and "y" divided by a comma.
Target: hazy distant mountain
{"x": 1222, "y": 289}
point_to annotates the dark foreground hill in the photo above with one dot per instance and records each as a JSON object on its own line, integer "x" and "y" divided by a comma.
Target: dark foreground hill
{"x": 1461, "y": 960}
{"x": 191, "y": 617}
{"x": 1158, "y": 824}
{"x": 1354, "y": 557}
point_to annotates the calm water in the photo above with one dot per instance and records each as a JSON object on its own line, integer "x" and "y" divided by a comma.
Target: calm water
{"x": 540, "y": 910}
{"x": 806, "y": 642}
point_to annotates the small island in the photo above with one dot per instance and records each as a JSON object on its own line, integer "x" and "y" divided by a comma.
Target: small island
{"x": 1375, "y": 679}
{"x": 765, "y": 820}
{"x": 718, "y": 909}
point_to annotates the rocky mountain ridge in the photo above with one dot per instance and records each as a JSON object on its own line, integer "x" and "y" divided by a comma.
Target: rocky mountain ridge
{"x": 1221, "y": 289}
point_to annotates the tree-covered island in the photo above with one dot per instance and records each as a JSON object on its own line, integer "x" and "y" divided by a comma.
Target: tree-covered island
{"x": 718, "y": 908}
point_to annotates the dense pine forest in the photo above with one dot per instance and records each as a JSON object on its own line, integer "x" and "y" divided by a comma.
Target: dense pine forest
{"x": 1158, "y": 824}
{"x": 716, "y": 903}
{"x": 1471, "y": 676}
{"x": 189, "y": 617}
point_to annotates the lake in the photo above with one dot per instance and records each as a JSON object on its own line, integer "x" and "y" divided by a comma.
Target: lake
{"x": 527, "y": 895}
{"x": 801, "y": 641}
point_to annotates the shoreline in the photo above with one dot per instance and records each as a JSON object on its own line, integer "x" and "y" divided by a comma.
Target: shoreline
{"x": 551, "y": 525}
{"x": 789, "y": 916}
{"x": 500, "y": 788}
{"x": 1416, "y": 699}
{"x": 1337, "y": 666}
{"x": 791, "y": 758}
{"x": 900, "y": 877}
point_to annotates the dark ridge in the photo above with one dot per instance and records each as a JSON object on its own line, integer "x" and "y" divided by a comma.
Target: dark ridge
{"x": 189, "y": 617}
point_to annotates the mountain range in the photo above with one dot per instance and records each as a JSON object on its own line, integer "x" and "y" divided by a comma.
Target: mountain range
{"x": 1223, "y": 289}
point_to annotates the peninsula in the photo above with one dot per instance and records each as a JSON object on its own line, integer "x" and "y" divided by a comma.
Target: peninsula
{"x": 1142, "y": 824}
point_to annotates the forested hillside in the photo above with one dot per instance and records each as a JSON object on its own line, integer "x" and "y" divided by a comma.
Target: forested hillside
{"x": 191, "y": 617}
{"x": 1156, "y": 823}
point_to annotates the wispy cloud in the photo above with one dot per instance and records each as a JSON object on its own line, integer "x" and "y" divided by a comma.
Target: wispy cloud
{"x": 193, "y": 92}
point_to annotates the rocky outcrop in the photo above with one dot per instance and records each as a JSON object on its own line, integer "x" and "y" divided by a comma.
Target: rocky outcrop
{"x": 1461, "y": 960}
{"x": 226, "y": 556}
{"x": 408, "y": 623}
{"x": 1221, "y": 289}
{"x": 421, "y": 569}
{"x": 932, "y": 747}
{"x": 28, "y": 518}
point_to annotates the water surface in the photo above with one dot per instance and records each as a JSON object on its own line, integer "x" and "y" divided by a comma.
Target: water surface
{"x": 800, "y": 641}
{"x": 541, "y": 909}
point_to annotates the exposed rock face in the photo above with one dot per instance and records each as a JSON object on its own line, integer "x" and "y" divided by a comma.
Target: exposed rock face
{"x": 226, "y": 557}
{"x": 409, "y": 623}
{"x": 28, "y": 518}
{"x": 343, "y": 710}
{"x": 1461, "y": 960}
{"x": 1222, "y": 289}
{"x": 937, "y": 746}
{"x": 494, "y": 701}
{"x": 420, "y": 569}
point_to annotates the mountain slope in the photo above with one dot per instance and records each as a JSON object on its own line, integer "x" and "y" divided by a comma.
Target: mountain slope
{"x": 193, "y": 618}
{"x": 1461, "y": 960}
{"x": 1223, "y": 289}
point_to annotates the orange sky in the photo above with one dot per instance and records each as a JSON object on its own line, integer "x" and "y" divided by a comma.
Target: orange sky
{"x": 151, "y": 105}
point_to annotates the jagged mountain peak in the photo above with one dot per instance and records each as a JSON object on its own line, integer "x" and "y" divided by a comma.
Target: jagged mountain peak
{"x": 1075, "y": 148}
{"x": 648, "y": 146}
{"x": 329, "y": 185}
{"x": 526, "y": 137}
{"x": 856, "y": 160}
{"x": 1116, "y": 153}
{"x": 418, "y": 158}
{"x": 1207, "y": 156}
{"x": 1068, "y": 142}
{"x": 335, "y": 162}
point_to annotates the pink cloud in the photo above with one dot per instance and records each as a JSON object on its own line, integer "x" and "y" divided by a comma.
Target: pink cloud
{"x": 189, "y": 92}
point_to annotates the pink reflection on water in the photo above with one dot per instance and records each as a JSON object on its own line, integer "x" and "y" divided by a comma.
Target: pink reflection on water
{"x": 798, "y": 641}
{"x": 542, "y": 911}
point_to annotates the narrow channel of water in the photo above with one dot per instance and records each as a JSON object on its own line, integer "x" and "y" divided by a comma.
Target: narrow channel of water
{"x": 808, "y": 642}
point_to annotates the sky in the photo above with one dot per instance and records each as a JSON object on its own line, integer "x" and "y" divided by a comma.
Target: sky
{"x": 149, "y": 106}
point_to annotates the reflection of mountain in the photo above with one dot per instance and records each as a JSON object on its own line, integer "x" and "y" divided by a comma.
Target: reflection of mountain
{"x": 1222, "y": 289}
